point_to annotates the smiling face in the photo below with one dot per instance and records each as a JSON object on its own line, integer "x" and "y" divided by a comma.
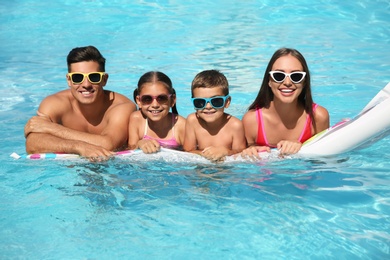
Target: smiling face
{"x": 86, "y": 92}
{"x": 156, "y": 110}
{"x": 210, "y": 114}
{"x": 286, "y": 91}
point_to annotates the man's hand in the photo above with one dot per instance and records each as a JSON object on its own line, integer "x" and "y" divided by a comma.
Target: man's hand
{"x": 38, "y": 124}
{"x": 94, "y": 153}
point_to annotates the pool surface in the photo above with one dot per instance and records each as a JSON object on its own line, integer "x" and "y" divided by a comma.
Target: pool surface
{"x": 162, "y": 208}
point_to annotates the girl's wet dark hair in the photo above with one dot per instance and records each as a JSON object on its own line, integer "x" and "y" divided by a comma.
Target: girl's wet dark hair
{"x": 265, "y": 95}
{"x": 156, "y": 76}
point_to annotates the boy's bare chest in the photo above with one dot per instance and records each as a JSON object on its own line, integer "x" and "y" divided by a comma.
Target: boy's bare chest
{"x": 220, "y": 137}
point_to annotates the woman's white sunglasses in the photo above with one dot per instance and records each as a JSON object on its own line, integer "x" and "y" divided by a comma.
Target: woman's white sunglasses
{"x": 279, "y": 76}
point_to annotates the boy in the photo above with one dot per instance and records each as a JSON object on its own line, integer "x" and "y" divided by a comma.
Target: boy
{"x": 211, "y": 132}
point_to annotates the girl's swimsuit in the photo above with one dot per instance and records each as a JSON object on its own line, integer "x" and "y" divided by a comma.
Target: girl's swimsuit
{"x": 166, "y": 143}
{"x": 262, "y": 139}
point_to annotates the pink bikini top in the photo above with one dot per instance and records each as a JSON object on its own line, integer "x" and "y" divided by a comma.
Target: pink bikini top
{"x": 262, "y": 139}
{"x": 166, "y": 143}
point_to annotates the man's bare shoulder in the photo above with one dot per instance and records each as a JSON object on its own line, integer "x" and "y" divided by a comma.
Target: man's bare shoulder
{"x": 117, "y": 98}
{"x": 122, "y": 110}
{"x": 64, "y": 96}
{"x": 121, "y": 102}
{"x": 56, "y": 104}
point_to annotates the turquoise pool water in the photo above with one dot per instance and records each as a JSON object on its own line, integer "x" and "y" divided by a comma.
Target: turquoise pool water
{"x": 337, "y": 208}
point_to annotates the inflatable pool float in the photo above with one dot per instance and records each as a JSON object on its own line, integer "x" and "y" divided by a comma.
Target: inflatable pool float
{"x": 369, "y": 126}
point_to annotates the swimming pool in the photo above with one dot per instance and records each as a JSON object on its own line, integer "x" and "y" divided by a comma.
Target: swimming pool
{"x": 282, "y": 209}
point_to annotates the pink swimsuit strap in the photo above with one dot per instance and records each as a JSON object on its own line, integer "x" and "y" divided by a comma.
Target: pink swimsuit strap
{"x": 262, "y": 138}
{"x": 166, "y": 143}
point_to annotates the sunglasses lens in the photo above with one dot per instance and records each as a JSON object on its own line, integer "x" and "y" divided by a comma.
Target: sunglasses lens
{"x": 278, "y": 76}
{"x": 77, "y": 78}
{"x": 95, "y": 77}
{"x": 199, "y": 103}
{"x": 146, "y": 99}
{"x": 296, "y": 77}
{"x": 217, "y": 102}
{"x": 162, "y": 99}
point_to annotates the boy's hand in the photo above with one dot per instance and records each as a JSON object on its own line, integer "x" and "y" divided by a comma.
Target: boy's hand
{"x": 215, "y": 154}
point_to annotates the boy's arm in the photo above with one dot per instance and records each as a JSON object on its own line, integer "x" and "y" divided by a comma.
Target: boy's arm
{"x": 190, "y": 142}
{"x": 239, "y": 140}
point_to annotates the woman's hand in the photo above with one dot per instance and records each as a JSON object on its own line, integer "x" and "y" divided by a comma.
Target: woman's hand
{"x": 253, "y": 151}
{"x": 288, "y": 147}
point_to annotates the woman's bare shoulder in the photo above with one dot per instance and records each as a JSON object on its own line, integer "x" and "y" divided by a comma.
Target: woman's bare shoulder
{"x": 249, "y": 116}
{"x": 321, "y": 114}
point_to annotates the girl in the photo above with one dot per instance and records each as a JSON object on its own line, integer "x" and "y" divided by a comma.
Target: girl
{"x": 153, "y": 126}
{"x": 283, "y": 114}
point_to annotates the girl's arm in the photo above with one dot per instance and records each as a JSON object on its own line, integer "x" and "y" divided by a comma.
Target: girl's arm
{"x": 135, "y": 123}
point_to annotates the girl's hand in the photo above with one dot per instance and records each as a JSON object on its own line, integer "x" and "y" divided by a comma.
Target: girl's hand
{"x": 149, "y": 146}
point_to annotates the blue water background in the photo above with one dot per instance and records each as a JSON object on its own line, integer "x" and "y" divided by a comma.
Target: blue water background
{"x": 286, "y": 209}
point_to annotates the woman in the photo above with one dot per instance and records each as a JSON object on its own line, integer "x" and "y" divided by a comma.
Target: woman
{"x": 283, "y": 115}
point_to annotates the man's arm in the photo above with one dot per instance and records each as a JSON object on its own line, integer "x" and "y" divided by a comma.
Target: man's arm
{"x": 113, "y": 136}
{"x": 52, "y": 112}
{"x": 46, "y": 143}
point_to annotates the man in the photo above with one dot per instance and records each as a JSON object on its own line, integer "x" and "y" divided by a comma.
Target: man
{"x": 84, "y": 119}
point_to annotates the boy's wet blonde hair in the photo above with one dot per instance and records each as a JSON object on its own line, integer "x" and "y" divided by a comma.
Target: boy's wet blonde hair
{"x": 210, "y": 79}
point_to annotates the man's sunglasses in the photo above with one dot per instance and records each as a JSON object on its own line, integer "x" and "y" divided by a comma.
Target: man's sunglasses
{"x": 295, "y": 77}
{"x": 148, "y": 99}
{"x": 93, "y": 77}
{"x": 215, "y": 102}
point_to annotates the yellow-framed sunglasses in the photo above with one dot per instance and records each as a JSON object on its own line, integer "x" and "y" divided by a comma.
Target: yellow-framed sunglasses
{"x": 93, "y": 77}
